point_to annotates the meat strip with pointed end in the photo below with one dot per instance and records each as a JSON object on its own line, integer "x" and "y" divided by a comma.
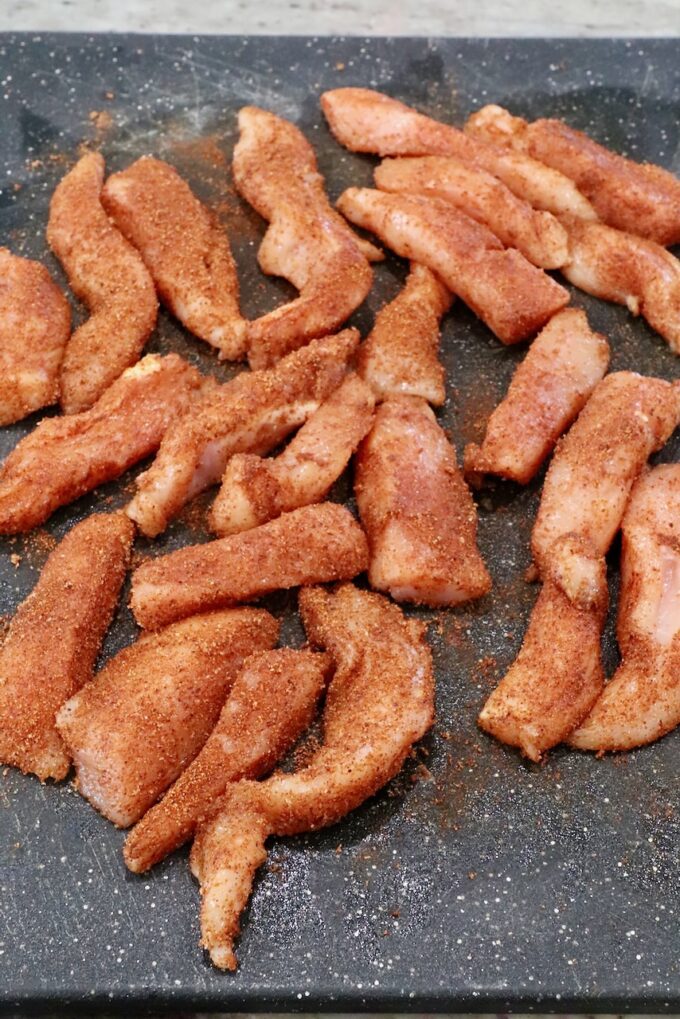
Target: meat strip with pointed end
{"x": 549, "y": 389}
{"x": 184, "y": 248}
{"x": 314, "y": 544}
{"x": 146, "y": 715}
{"x": 35, "y": 324}
{"x": 641, "y": 702}
{"x": 538, "y": 235}
{"x": 255, "y": 490}
{"x": 307, "y": 243}
{"x": 253, "y": 413}
{"x": 272, "y": 702}
{"x": 366, "y": 121}
{"x": 64, "y": 457}
{"x": 400, "y": 354}
{"x": 416, "y": 509}
{"x": 109, "y": 276}
{"x": 380, "y": 702}
{"x": 511, "y": 296}
{"x": 54, "y": 638}
{"x": 639, "y": 197}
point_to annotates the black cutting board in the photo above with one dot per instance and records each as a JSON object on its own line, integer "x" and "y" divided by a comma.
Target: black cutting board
{"x": 477, "y": 880}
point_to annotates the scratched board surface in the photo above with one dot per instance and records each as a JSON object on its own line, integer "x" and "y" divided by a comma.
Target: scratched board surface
{"x": 476, "y": 880}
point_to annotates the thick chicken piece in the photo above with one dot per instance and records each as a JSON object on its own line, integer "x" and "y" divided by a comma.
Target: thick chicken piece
{"x": 314, "y": 544}
{"x": 367, "y": 121}
{"x": 639, "y": 197}
{"x": 380, "y": 702}
{"x": 418, "y": 513}
{"x": 54, "y": 638}
{"x": 551, "y": 386}
{"x": 64, "y": 457}
{"x": 538, "y": 235}
{"x": 400, "y": 354}
{"x": 109, "y": 276}
{"x": 149, "y": 711}
{"x": 35, "y": 324}
{"x": 513, "y": 297}
{"x": 184, "y": 248}
{"x": 271, "y": 703}
{"x": 253, "y": 413}
{"x": 307, "y": 242}
{"x": 255, "y": 490}
{"x": 641, "y": 702}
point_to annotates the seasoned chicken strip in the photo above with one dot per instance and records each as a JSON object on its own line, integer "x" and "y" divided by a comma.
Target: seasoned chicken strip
{"x": 35, "y": 324}
{"x": 307, "y": 242}
{"x": 380, "y": 702}
{"x": 64, "y": 457}
{"x": 109, "y": 276}
{"x": 418, "y": 513}
{"x": 367, "y": 121}
{"x": 538, "y": 235}
{"x": 184, "y": 248}
{"x": 314, "y": 544}
{"x": 255, "y": 490}
{"x": 252, "y": 413}
{"x": 641, "y": 702}
{"x": 513, "y": 297}
{"x": 271, "y": 703}
{"x": 54, "y": 638}
{"x": 551, "y": 386}
{"x": 400, "y": 354}
{"x": 149, "y": 711}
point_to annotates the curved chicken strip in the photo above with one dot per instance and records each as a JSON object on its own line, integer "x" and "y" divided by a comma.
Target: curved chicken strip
{"x": 511, "y": 296}
{"x": 538, "y": 235}
{"x": 252, "y": 413}
{"x": 64, "y": 457}
{"x": 551, "y": 386}
{"x": 418, "y": 513}
{"x": 35, "y": 324}
{"x": 54, "y": 638}
{"x": 380, "y": 702}
{"x": 315, "y": 544}
{"x": 307, "y": 242}
{"x": 149, "y": 711}
{"x": 255, "y": 490}
{"x": 400, "y": 352}
{"x": 271, "y": 703}
{"x": 367, "y": 121}
{"x": 109, "y": 276}
{"x": 641, "y": 702}
{"x": 184, "y": 248}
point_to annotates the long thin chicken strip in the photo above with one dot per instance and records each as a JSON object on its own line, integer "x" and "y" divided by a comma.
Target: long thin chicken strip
{"x": 35, "y": 324}
{"x": 64, "y": 457}
{"x": 147, "y": 714}
{"x": 641, "y": 702}
{"x": 639, "y": 197}
{"x": 314, "y": 544}
{"x": 307, "y": 242}
{"x": 252, "y": 413}
{"x": 255, "y": 490}
{"x": 418, "y": 513}
{"x": 367, "y": 121}
{"x": 271, "y": 703}
{"x": 400, "y": 354}
{"x": 54, "y": 638}
{"x": 538, "y": 235}
{"x": 184, "y": 248}
{"x": 380, "y": 702}
{"x": 513, "y": 297}
{"x": 109, "y": 276}
{"x": 549, "y": 389}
